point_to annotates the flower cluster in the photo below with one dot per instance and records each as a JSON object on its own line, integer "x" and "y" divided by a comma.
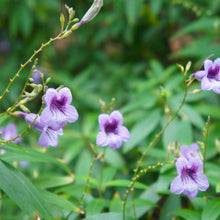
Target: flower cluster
{"x": 210, "y": 76}
{"x": 190, "y": 178}
{"x": 111, "y": 130}
{"x": 57, "y": 113}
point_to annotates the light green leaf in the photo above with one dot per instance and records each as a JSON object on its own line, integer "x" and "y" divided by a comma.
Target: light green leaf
{"x": 212, "y": 210}
{"x": 187, "y": 214}
{"x": 95, "y": 207}
{"x": 125, "y": 183}
{"x": 208, "y": 109}
{"x": 116, "y": 203}
{"x": 132, "y": 8}
{"x": 106, "y": 216}
{"x": 22, "y": 191}
{"x": 59, "y": 201}
{"x": 205, "y": 24}
{"x": 142, "y": 130}
{"x": 193, "y": 116}
{"x": 218, "y": 188}
{"x": 53, "y": 181}
{"x": 19, "y": 153}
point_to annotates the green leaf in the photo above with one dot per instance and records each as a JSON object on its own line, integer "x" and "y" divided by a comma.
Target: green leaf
{"x": 95, "y": 207}
{"x": 208, "y": 109}
{"x": 125, "y": 183}
{"x": 145, "y": 102}
{"x": 144, "y": 203}
{"x": 106, "y": 216}
{"x": 205, "y": 24}
{"x": 172, "y": 203}
{"x": 25, "y": 20}
{"x": 116, "y": 203}
{"x": 19, "y": 153}
{"x": 53, "y": 181}
{"x": 142, "y": 130}
{"x": 59, "y": 201}
{"x": 186, "y": 136}
{"x": 187, "y": 214}
{"x": 132, "y": 8}
{"x": 212, "y": 210}
{"x": 114, "y": 158}
{"x": 193, "y": 116}
{"x": 218, "y": 188}
{"x": 22, "y": 191}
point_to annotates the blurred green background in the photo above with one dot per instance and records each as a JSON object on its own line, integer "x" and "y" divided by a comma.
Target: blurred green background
{"x": 129, "y": 52}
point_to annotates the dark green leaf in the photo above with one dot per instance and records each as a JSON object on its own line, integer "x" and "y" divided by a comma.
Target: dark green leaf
{"x": 22, "y": 191}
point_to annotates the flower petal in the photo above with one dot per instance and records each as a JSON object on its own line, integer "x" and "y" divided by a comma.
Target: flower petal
{"x": 102, "y": 139}
{"x": 123, "y": 133}
{"x": 116, "y": 116}
{"x": 47, "y": 115}
{"x": 49, "y": 137}
{"x": 199, "y": 74}
{"x": 206, "y": 84}
{"x": 103, "y": 119}
{"x": 202, "y": 182}
{"x": 217, "y": 62}
{"x": 189, "y": 152}
{"x": 66, "y": 93}
{"x": 176, "y": 185}
{"x": 181, "y": 163}
{"x": 115, "y": 141}
{"x": 216, "y": 89}
{"x": 197, "y": 163}
{"x": 192, "y": 193}
{"x": 50, "y": 94}
{"x": 38, "y": 125}
{"x": 71, "y": 113}
{"x": 43, "y": 140}
{"x": 207, "y": 65}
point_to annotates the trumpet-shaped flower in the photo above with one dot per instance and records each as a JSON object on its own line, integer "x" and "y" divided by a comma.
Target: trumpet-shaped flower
{"x": 58, "y": 106}
{"x": 111, "y": 130}
{"x": 50, "y": 130}
{"x": 190, "y": 178}
{"x": 210, "y": 76}
{"x": 10, "y": 132}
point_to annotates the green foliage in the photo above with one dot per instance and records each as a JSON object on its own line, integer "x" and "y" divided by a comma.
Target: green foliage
{"x": 127, "y": 52}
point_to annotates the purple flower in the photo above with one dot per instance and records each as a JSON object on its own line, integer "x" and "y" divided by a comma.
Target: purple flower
{"x": 36, "y": 76}
{"x": 111, "y": 131}
{"x": 4, "y": 46}
{"x": 210, "y": 76}
{"x": 190, "y": 178}
{"x": 10, "y": 132}
{"x": 50, "y": 130}
{"x": 23, "y": 163}
{"x": 189, "y": 152}
{"x": 58, "y": 106}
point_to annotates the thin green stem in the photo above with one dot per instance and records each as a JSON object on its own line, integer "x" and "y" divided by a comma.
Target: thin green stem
{"x": 18, "y": 74}
{"x": 157, "y": 136}
{"x": 136, "y": 178}
{"x": 87, "y": 180}
{"x": 206, "y": 141}
{"x": 101, "y": 174}
{"x": 2, "y": 141}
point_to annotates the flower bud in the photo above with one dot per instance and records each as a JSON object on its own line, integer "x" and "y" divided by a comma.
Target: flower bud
{"x": 25, "y": 109}
{"x": 93, "y": 11}
{"x": 62, "y": 19}
{"x": 188, "y": 65}
{"x": 71, "y": 13}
